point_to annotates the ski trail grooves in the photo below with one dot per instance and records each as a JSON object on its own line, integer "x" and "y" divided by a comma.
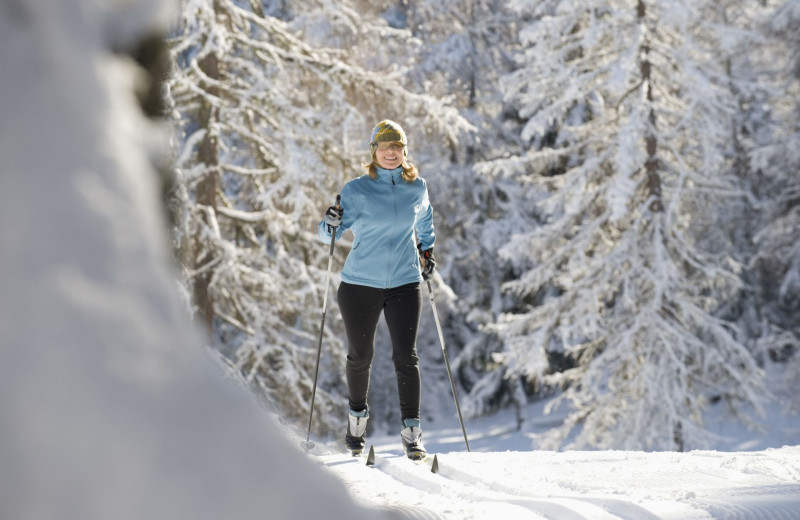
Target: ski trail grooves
{"x": 596, "y": 508}
{"x": 580, "y": 485}
{"x": 399, "y": 484}
{"x": 552, "y": 486}
{"x": 558, "y": 507}
{"x": 774, "y": 503}
{"x": 413, "y": 513}
{"x": 420, "y": 478}
{"x": 454, "y": 493}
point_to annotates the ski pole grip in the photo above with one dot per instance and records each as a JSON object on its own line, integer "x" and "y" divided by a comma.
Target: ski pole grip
{"x": 333, "y": 234}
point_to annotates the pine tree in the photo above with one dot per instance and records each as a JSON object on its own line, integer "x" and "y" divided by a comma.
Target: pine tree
{"x": 627, "y": 114}
{"x": 775, "y": 266}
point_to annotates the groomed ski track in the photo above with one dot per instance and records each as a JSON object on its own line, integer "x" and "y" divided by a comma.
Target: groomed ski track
{"x": 602, "y": 485}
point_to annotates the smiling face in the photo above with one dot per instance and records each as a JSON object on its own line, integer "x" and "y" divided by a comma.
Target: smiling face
{"x": 390, "y": 155}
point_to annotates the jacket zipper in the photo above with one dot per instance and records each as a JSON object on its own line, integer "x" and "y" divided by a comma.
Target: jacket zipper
{"x": 389, "y": 252}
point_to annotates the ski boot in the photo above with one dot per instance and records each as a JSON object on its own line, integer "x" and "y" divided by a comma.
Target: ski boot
{"x": 411, "y": 434}
{"x": 356, "y": 431}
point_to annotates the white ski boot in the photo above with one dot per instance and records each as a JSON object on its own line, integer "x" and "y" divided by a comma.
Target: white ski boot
{"x": 411, "y": 434}
{"x": 355, "y": 440}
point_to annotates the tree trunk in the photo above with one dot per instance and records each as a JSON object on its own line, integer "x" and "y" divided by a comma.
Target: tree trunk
{"x": 651, "y": 142}
{"x": 207, "y": 194}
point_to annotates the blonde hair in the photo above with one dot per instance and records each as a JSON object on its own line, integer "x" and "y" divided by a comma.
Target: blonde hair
{"x": 410, "y": 172}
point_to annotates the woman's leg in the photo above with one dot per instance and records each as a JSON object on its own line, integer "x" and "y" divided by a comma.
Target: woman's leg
{"x": 361, "y": 308}
{"x": 402, "y": 310}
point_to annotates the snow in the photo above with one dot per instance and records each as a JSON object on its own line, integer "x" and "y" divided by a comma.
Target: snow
{"x": 504, "y": 478}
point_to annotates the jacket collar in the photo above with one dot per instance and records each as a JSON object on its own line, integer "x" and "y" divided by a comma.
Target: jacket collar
{"x": 395, "y": 175}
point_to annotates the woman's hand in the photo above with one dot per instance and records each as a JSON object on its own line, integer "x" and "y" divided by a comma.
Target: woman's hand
{"x": 428, "y": 263}
{"x": 333, "y": 217}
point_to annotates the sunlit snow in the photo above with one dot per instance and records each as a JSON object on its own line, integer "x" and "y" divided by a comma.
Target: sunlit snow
{"x": 502, "y": 478}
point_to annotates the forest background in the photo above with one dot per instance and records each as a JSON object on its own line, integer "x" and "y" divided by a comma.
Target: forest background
{"x": 614, "y": 185}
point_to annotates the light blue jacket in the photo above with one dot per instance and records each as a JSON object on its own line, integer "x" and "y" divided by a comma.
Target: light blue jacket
{"x": 383, "y": 214}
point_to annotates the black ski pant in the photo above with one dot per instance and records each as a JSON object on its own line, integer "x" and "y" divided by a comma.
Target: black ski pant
{"x": 361, "y": 309}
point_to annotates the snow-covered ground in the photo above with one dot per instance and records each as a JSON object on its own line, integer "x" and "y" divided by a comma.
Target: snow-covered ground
{"x": 503, "y": 478}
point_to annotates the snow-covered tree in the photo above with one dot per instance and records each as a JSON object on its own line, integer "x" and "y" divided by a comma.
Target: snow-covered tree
{"x": 776, "y": 264}
{"x": 273, "y": 114}
{"x": 628, "y": 113}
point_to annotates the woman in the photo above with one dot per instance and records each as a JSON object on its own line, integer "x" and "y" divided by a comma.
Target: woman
{"x": 385, "y": 209}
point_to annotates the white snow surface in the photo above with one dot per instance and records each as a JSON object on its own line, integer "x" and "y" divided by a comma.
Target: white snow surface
{"x": 502, "y": 478}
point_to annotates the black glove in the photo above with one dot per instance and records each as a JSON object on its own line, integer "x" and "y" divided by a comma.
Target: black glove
{"x": 333, "y": 218}
{"x": 428, "y": 262}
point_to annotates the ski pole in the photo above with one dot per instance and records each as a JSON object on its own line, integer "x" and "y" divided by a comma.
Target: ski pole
{"x": 322, "y": 324}
{"x": 447, "y": 363}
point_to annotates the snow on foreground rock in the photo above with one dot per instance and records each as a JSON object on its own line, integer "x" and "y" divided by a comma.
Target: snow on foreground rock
{"x": 602, "y": 485}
